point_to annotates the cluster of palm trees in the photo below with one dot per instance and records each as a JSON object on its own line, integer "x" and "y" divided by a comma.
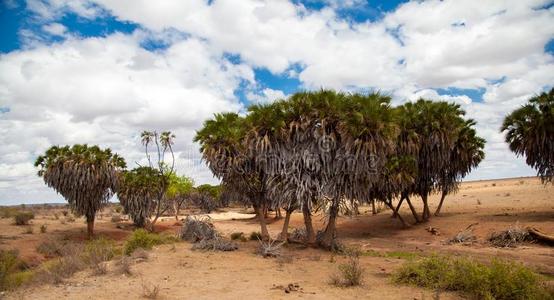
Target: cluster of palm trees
{"x": 321, "y": 150}
{"x": 325, "y": 150}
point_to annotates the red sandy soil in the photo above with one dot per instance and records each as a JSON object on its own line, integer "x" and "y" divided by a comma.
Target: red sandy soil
{"x": 182, "y": 273}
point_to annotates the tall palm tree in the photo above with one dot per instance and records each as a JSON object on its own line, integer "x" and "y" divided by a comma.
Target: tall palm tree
{"x": 530, "y": 132}
{"x": 226, "y": 154}
{"x": 146, "y": 138}
{"x": 466, "y": 155}
{"x": 437, "y": 125}
{"x": 84, "y": 175}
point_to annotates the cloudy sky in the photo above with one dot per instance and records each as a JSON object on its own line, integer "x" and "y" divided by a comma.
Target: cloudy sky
{"x": 101, "y": 71}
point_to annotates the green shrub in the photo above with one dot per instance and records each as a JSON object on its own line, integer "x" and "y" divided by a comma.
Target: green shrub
{"x": 97, "y": 252}
{"x": 56, "y": 270}
{"x": 43, "y": 228}
{"x": 23, "y": 218}
{"x": 350, "y": 273}
{"x": 255, "y": 236}
{"x": 10, "y": 264}
{"x": 18, "y": 279}
{"x": 142, "y": 239}
{"x": 237, "y": 236}
{"x": 498, "y": 280}
{"x": 8, "y": 212}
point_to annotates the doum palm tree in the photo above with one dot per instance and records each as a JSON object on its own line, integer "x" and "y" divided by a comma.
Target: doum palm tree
{"x": 530, "y": 133}
{"x": 84, "y": 175}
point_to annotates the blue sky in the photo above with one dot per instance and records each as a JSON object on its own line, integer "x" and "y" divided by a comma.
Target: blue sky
{"x": 99, "y": 71}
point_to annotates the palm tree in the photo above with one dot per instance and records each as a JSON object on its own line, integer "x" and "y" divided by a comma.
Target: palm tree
{"x": 466, "y": 155}
{"x": 146, "y": 138}
{"x": 222, "y": 146}
{"x": 137, "y": 191}
{"x": 530, "y": 132}
{"x": 84, "y": 175}
{"x": 437, "y": 126}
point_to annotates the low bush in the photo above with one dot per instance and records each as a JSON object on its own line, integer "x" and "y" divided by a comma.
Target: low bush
{"x": 349, "y": 273}
{"x": 97, "y": 252}
{"x": 43, "y": 228}
{"x": 497, "y": 280}
{"x": 12, "y": 270}
{"x": 56, "y": 270}
{"x": 197, "y": 229}
{"x": 270, "y": 248}
{"x": 215, "y": 244}
{"x": 150, "y": 291}
{"x": 116, "y": 218}
{"x": 255, "y": 236}
{"x": 23, "y": 218}
{"x": 142, "y": 239}
{"x": 237, "y": 236}
{"x": 8, "y": 212}
{"x": 124, "y": 265}
{"x": 55, "y": 248}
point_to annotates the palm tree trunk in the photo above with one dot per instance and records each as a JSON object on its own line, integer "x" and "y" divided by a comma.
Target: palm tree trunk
{"x": 426, "y": 212}
{"x": 389, "y": 204}
{"x": 373, "y": 209}
{"x": 176, "y": 208}
{"x": 437, "y": 212}
{"x": 412, "y": 208}
{"x": 285, "y": 230}
{"x": 329, "y": 235}
{"x": 261, "y": 219}
{"x": 310, "y": 233}
{"x": 395, "y": 210}
{"x": 90, "y": 227}
{"x": 278, "y": 213}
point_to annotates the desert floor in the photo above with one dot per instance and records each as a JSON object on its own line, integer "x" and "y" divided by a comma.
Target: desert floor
{"x": 181, "y": 273}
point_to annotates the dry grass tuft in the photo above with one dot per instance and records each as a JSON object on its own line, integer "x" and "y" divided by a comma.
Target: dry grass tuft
{"x": 349, "y": 273}
{"x": 124, "y": 266}
{"x": 270, "y": 248}
{"x": 150, "y": 291}
{"x": 215, "y": 244}
{"x": 140, "y": 254}
{"x": 23, "y": 218}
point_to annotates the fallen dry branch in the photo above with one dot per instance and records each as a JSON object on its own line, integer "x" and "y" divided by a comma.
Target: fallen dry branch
{"x": 202, "y": 233}
{"x": 465, "y": 237}
{"x": 540, "y": 236}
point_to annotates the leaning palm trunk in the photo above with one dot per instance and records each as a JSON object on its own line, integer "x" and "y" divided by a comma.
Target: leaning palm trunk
{"x": 285, "y": 231}
{"x": 437, "y": 212}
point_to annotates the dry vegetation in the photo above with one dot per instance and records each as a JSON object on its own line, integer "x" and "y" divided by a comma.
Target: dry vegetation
{"x": 380, "y": 259}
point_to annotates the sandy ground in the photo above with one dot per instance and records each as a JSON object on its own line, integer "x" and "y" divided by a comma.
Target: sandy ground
{"x": 182, "y": 273}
